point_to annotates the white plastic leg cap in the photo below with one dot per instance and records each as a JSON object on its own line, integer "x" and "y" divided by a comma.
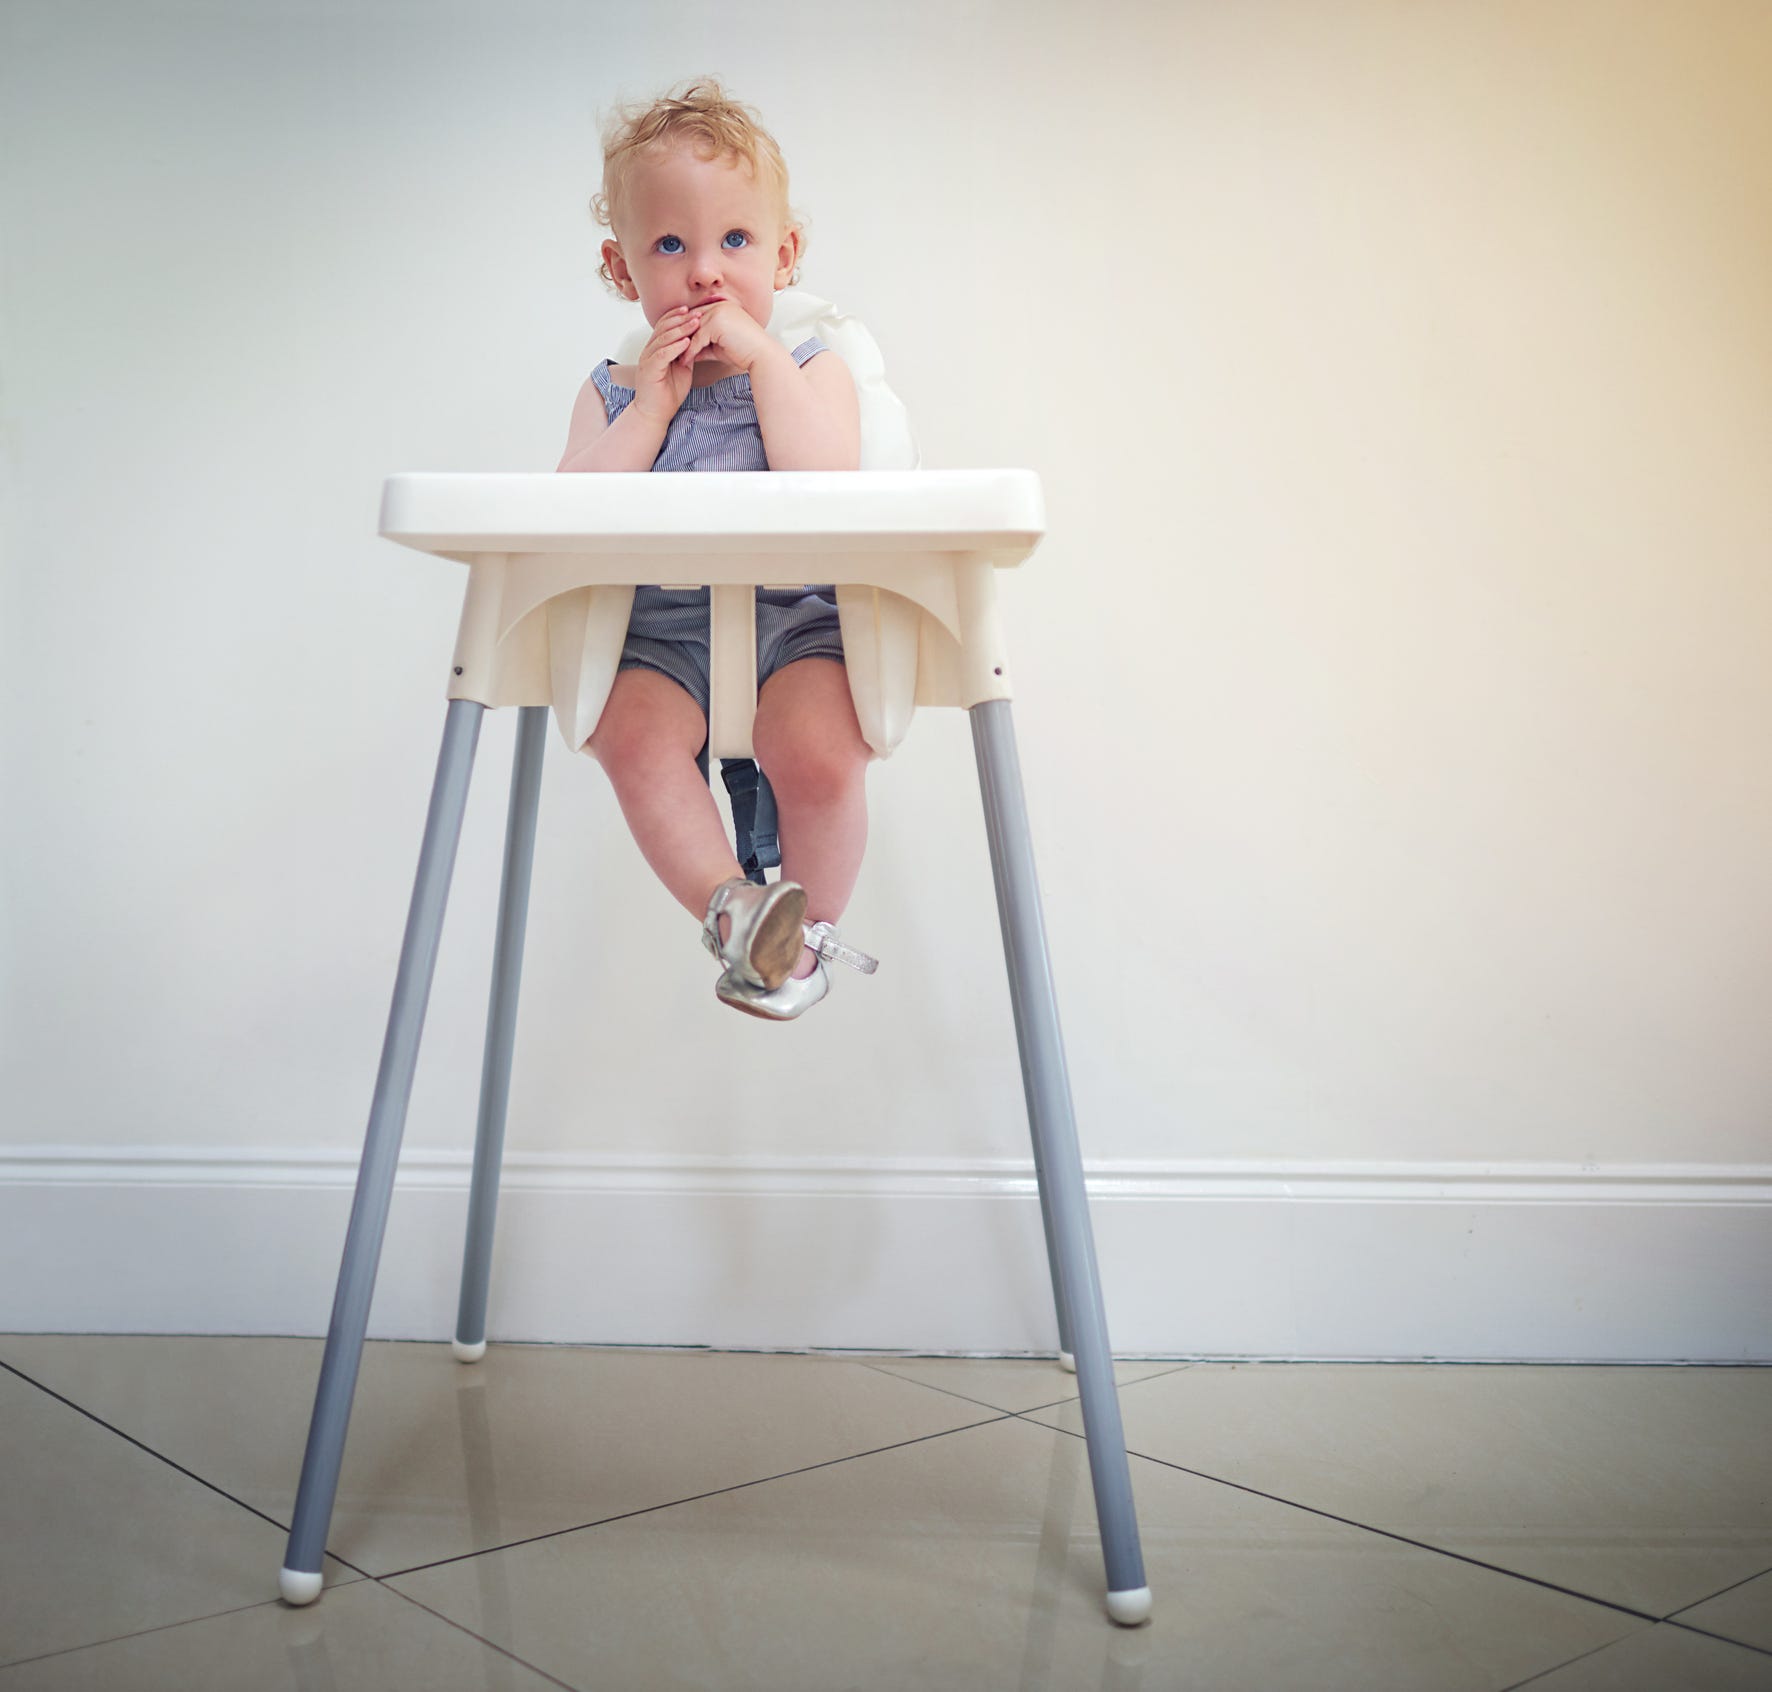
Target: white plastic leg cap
{"x": 1130, "y": 1607}
{"x": 297, "y": 1586}
{"x": 1067, "y": 1362}
{"x": 468, "y": 1353}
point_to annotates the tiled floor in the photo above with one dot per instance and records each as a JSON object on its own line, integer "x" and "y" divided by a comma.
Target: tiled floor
{"x": 615, "y": 1519}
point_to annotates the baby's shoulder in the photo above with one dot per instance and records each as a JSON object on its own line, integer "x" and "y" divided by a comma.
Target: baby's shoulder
{"x": 622, "y": 375}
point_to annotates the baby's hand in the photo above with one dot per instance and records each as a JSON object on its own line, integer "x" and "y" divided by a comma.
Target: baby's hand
{"x": 727, "y": 326}
{"x": 665, "y": 375}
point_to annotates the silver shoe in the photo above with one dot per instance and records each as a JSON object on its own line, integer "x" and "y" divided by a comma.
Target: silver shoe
{"x": 768, "y": 928}
{"x": 794, "y": 996}
{"x": 783, "y": 1004}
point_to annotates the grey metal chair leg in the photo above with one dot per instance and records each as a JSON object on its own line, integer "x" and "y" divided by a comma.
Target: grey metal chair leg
{"x": 1058, "y": 1157}
{"x": 1066, "y": 1352}
{"x": 300, "y": 1578}
{"x": 501, "y": 1028}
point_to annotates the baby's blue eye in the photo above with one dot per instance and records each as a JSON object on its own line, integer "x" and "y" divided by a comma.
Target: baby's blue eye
{"x": 663, "y": 248}
{"x": 739, "y": 233}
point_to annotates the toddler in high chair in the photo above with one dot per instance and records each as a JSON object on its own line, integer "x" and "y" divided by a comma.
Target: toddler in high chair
{"x": 695, "y": 193}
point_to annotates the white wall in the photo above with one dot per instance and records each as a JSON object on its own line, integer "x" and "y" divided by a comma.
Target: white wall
{"x": 1394, "y": 681}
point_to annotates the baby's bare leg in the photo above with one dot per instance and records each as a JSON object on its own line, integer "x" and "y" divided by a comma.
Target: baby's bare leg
{"x": 646, "y": 741}
{"x": 810, "y": 745}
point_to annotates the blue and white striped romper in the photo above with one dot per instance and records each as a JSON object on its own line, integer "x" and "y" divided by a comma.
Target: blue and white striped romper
{"x": 716, "y": 429}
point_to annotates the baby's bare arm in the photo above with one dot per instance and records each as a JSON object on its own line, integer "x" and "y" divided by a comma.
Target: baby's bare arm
{"x": 809, "y": 415}
{"x": 631, "y": 442}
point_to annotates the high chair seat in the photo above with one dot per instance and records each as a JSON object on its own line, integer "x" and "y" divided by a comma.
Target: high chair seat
{"x": 552, "y": 561}
{"x": 552, "y": 565}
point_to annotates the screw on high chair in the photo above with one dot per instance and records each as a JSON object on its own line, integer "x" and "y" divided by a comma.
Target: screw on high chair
{"x": 552, "y": 565}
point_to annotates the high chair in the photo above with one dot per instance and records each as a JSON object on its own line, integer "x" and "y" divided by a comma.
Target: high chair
{"x": 553, "y": 561}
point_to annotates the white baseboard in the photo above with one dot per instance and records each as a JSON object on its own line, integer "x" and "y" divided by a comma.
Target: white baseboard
{"x": 1525, "y": 1262}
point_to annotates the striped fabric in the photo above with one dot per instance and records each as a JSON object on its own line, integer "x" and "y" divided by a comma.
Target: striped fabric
{"x": 714, "y": 429}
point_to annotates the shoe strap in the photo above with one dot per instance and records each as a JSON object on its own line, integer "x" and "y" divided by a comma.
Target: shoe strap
{"x": 821, "y": 937}
{"x": 710, "y": 928}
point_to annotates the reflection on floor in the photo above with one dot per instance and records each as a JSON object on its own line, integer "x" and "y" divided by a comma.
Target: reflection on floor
{"x": 650, "y": 1519}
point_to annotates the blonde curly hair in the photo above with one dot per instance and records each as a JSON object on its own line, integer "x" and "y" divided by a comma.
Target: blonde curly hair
{"x": 702, "y": 114}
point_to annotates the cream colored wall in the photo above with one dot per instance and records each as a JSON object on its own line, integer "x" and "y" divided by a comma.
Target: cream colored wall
{"x": 1394, "y": 681}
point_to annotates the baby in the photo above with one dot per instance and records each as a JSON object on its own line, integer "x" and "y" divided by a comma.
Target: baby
{"x": 695, "y": 192}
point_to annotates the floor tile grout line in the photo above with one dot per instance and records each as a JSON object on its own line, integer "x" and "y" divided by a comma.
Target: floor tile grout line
{"x": 1069, "y": 1398}
{"x": 693, "y": 1498}
{"x": 1369, "y": 1527}
{"x": 161, "y": 1457}
{"x": 166, "y": 1627}
{"x": 1717, "y": 1594}
{"x": 1670, "y": 1619}
{"x": 1686, "y": 1627}
{"x": 1721, "y": 1638}
{"x": 503, "y": 1650}
{"x": 1539, "y": 1674}
{"x": 265, "y": 1604}
{"x": 948, "y": 1392}
{"x": 142, "y": 1632}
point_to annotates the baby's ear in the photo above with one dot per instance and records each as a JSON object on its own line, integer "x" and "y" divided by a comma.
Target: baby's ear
{"x": 787, "y": 259}
{"x": 618, "y": 268}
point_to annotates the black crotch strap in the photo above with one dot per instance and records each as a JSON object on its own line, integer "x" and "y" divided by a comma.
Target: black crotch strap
{"x": 754, "y": 823}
